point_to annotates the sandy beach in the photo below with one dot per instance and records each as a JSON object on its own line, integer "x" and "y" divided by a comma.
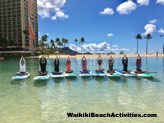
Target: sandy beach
{"x": 102, "y": 55}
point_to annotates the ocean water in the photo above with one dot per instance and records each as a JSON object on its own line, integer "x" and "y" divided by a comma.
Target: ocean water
{"x": 29, "y": 101}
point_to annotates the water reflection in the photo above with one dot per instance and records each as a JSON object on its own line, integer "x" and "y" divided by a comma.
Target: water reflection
{"x": 18, "y": 82}
{"x": 139, "y": 84}
{"x": 58, "y": 80}
{"x": 152, "y": 79}
{"x": 40, "y": 83}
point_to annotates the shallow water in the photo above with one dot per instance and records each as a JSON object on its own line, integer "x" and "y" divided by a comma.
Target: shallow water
{"x": 29, "y": 101}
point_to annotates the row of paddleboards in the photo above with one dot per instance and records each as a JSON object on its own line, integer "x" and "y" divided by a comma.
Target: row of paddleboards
{"x": 116, "y": 74}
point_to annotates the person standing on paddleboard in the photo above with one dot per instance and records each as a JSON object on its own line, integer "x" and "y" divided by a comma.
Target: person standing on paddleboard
{"x": 43, "y": 63}
{"x": 22, "y": 64}
{"x": 56, "y": 65}
{"x": 110, "y": 63}
{"x": 125, "y": 63}
{"x": 84, "y": 65}
{"x": 138, "y": 63}
{"x": 99, "y": 62}
{"x": 68, "y": 66}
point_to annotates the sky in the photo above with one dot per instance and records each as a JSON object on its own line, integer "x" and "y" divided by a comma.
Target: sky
{"x": 106, "y": 25}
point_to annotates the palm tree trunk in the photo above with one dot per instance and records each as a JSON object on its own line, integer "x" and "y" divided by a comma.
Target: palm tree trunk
{"x": 137, "y": 46}
{"x": 146, "y": 46}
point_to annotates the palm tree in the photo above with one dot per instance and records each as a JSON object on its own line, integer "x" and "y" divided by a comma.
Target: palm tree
{"x": 138, "y": 36}
{"x": 57, "y": 40}
{"x": 148, "y": 37}
{"x": 63, "y": 41}
{"x": 60, "y": 44}
{"x": 52, "y": 43}
{"x": 163, "y": 44}
{"x": 76, "y": 43}
{"x": 44, "y": 39}
{"x": 66, "y": 41}
{"x": 26, "y": 32}
{"x": 82, "y": 40}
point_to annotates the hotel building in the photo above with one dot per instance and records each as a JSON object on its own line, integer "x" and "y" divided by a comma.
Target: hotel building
{"x": 19, "y": 23}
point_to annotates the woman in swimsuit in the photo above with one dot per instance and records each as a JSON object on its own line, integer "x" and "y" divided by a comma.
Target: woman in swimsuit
{"x": 22, "y": 64}
{"x": 68, "y": 66}
{"x": 84, "y": 65}
{"x": 43, "y": 63}
{"x": 99, "y": 62}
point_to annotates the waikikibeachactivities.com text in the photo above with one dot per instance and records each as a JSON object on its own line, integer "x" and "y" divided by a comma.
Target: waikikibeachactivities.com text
{"x": 92, "y": 114}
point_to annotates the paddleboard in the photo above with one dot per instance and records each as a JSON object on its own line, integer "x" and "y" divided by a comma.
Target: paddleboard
{"x": 69, "y": 74}
{"x": 21, "y": 76}
{"x": 87, "y": 74}
{"x": 55, "y": 75}
{"x": 99, "y": 74}
{"x": 113, "y": 75}
{"x": 44, "y": 77}
{"x": 143, "y": 74}
{"x": 126, "y": 74}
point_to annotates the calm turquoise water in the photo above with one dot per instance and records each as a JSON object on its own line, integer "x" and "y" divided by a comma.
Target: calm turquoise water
{"x": 28, "y": 101}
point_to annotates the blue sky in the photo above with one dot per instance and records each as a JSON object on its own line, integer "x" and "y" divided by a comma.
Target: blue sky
{"x": 114, "y": 22}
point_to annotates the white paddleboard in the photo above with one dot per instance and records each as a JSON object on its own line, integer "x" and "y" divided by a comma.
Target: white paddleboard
{"x": 44, "y": 77}
{"x": 145, "y": 75}
{"x": 19, "y": 76}
{"x": 69, "y": 74}
{"x": 99, "y": 74}
{"x": 127, "y": 74}
{"x": 88, "y": 74}
{"x": 56, "y": 75}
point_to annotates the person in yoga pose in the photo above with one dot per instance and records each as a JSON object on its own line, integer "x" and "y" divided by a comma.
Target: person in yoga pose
{"x": 138, "y": 63}
{"x": 68, "y": 66}
{"x": 110, "y": 63}
{"x": 43, "y": 63}
{"x": 99, "y": 62}
{"x": 56, "y": 66}
{"x": 22, "y": 64}
{"x": 84, "y": 65}
{"x": 125, "y": 63}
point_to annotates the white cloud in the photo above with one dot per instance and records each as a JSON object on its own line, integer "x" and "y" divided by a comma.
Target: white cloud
{"x": 110, "y": 35}
{"x": 153, "y": 21}
{"x": 124, "y": 49}
{"x": 52, "y": 9}
{"x": 107, "y": 11}
{"x": 126, "y": 7}
{"x": 149, "y": 28}
{"x": 160, "y": 1}
{"x": 103, "y": 47}
{"x": 143, "y": 2}
{"x": 161, "y": 31}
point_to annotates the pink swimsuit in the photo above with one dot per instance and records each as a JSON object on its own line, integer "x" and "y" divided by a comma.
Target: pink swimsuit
{"x": 68, "y": 65}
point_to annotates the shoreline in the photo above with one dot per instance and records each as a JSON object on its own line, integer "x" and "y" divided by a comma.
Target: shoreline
{"x": 102, "y": 55}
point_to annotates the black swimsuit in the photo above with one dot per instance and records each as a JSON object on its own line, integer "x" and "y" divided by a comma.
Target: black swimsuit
{"x": 56, "y": 65}
{"x": 43, "y": 63}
